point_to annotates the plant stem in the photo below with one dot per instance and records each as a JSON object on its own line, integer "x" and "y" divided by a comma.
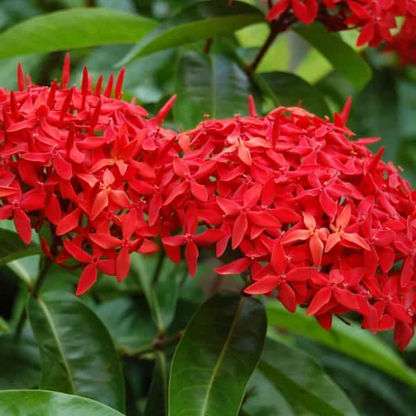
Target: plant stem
{"x": 47, "y": 262}
{"x": 34, "y": 292}
{"x": 207, "y": 46}
{"x": 263, "y": 50}
{"x": 20, "y": 324}
{"x": 159, "y": 344}
{"x": 162, "y": 344}
{"x": 276, "y": 28}
{"x": 158, "y": 269}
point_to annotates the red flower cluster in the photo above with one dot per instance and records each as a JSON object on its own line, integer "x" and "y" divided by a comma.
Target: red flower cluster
{"x": 374, "y": 18}
{"x": 404, "y": 43}
{"x": 314, "y": 217}
{"x": 81, "y": 162}
{"x": 321, "y": 221}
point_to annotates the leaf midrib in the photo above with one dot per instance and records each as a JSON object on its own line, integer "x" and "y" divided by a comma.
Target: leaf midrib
{"x": 221, "y": 356}
{"x": 58, "y": 343}
{"x": 20, "y": 271}
{"x": 264, "y": 365}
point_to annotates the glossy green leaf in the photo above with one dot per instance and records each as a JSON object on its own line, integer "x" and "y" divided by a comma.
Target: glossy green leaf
{"x": 209, "y": 84}
{"x": 13, "y": 248}
{"x": 351, "y": 340}
{"x": 71, "y": 29}
{"x": 288, "y": 89}
{"x": 161, "y": 293}
{"x": 157, "y": 402}
{"x": 4, "y": 326}
{"x": 31, "y": 64}
{"x": 337, "y": 89}
{"x": 314, "y": 67}
{"x": 78, "y": 355}
{"x": 216, "y": 356}
{"x": 348, "y": 371}
{"x": 47, "y": 403}
{"x": 202, "y": 20}
{"x": 129, "y": 322}
{"x": 20, "y": 362}
{"x": 376, "y": 113}
{"x": 342, "y": 57}
{"x": 148, "y": 78}
{"x": 407, "y": 93}
{"x": 263, "y": 399}
{"x": 303, "y": 382}
{"x": 26, "y": 269}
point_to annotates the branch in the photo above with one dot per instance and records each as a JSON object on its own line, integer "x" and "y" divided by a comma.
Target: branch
{"x": 159, "y": 344}
{"x": 276, "y": 28}
{"x": 263, "y": 50}
{"x": 34, "y": 292}
{"x": 207, "y": 46}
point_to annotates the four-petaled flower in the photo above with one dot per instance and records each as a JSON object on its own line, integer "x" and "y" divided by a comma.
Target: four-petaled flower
{"x": 279, "y": 276}
{"x": 316, "y": 236}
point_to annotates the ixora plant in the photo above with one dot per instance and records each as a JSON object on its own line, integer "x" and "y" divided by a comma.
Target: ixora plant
{"x": 124, "y": 226}
{"x": 317, "y": 219}
{"x": 312, "y": 217}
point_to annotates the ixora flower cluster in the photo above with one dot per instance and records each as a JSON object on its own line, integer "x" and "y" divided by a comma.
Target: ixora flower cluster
{"x": 314, "y": 217}
{"x": 404, "y": 43}
{"x": 375, "y": 18}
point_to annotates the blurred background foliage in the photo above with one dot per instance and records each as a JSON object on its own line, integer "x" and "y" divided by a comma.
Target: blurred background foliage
{"x": 377, "y": 379}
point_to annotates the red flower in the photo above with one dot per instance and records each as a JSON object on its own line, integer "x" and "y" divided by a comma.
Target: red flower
{"x": 314, "y": 217}
{"x": 277, "y": 275}
{"x": 375, "y": 19}
{"x": 305, "y": 11}
{"x": 17, "y": 207}
{"x": 190, "y": 240}
{"x": 339, "y": 234}
{"x": 336, "y": 287}
{"x": 316, "y": 237}
{"x": 245, "y": 214}
{"x": 94, "y": 263}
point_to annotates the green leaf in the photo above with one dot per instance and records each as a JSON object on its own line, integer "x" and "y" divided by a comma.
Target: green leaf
{"x": 315, "y": 67}
{"x": 129, "y": 322}
{"x": 71, "y": 29}
{"x": 13, "y": 248}
{"x": 4, "y": 326}
{"x": 31, "y": 64}
{"x": 216, "y": 356}
{"x": 20, "y": 362}
{"x": 351, "y": 340}
{"x": 376, "y": 112}
{"x": 342, "y": 57}
{"x": 263, "y": 399}
{"x": 26, "y": 269}
{"x": 148, "y": 78}
{"x": 162, "y": 295}
{"x": 302, "y": 381}
{"x": 157, "y": 402}
{"x": 47, "y": 403}
{"x": 288, "y": 89}
{"x": 202, "y": 20}
{"x": 368, "y": 380}
{"x": 407, "y": 93}
{"x": 209, "y": 84}
{"x": 78, "y": 355}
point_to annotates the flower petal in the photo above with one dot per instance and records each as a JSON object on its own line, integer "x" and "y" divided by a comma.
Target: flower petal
{"x": 321, "y": 298}
{"x": 87, "y": 279}
{"x": 263, "y": 286}
{"x": 191, "y": 257}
